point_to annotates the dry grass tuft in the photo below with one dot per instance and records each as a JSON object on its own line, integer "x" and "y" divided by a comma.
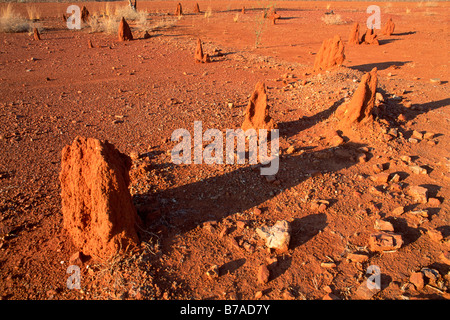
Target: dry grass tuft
{"x": 208, "y": 12}
{"x": 109, "y": 23}
{"x": 332, "y": 19}
{"x": 11, "y": 21}
{"x": 33, "y": 13}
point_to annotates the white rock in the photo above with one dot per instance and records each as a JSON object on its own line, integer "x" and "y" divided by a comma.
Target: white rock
{"x": 276, "y": 237}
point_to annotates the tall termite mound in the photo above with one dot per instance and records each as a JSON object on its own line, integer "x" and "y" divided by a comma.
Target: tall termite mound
{"x": 98, "y": 212}
{"x": 196, "y": 8}
{"x": 272, "y": 15}
{"x": 331, "y": 54}
{"x": 179, "y": 11}
{"x": 359, "y": 109}
{"x": 84, "y": 14}
{"x": 36, "y": 34}
{"x": 124, "y": 31}
{"x": 389, "y": 27}
{"x": 257, "y": 112}
{"x": 354, "y": 34}
{"x": 370, "y": 37}
{"x": 199, "y": 55}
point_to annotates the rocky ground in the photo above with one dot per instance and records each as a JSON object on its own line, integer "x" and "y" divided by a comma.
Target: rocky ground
{"x": 338, "y": 189}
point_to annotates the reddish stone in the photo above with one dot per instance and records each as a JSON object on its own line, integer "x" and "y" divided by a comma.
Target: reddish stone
{"x": 435, "y": 235}
{"x": 196, "y": 8}
{"x": 358, "y": 257}
{"x": 417, "y": 280}
{"x": 98, "y": 212}
{"x": 124, "y": 31}
{"x": 257, "y": 112}
{"x": 418, "y": 193}
{"x": 434, "y": 202}
{"x": 76, "y": 258}
{"x": 445, "y": 257}
{"x": 263, "y": 274}
{"x": 359, "y": 109}
{"x": 331, "y": 54}
{"x": 385, "y": 241}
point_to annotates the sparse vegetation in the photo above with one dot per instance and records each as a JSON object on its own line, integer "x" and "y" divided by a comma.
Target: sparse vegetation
{"x": 33, "y": 13}
{"x": 332, "y": 19}
{"x": 109, "y": 22}
{"x": 208, "y": 12}
{"x": 11, "y": 21}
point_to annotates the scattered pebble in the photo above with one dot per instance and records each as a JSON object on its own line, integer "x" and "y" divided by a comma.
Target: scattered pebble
{"x": 434, "y": 202}
{"x": 435, "y": 235}
{"x": 419, "y": 194}
{"x": 398, "y": 211}
{"x": 358, "y": 257}
{"x": 417, "y": 169}
{"x": 276, "y": 237}
{"x": 417, "y": 280}
{"x": 213, "y": 272}
{"x": 435, "y": 80}
{"x": 383, "y": 225}
{"x": 385, "y": 241}
{"x": 263, "y": 274}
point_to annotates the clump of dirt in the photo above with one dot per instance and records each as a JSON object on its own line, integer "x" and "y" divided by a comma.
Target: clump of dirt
{"x": 354, "y": 34}
{"x": 124, "y": 31}
{"x": 199, "y": 55}
{"x": 370, "y": 37}
{"x": 331, "y": 54}
{"x": 389, "y": 27}
{"x": 36, "y": 34}
{"x": 359, "y": 109}
{"x": 257, "y": 112}
{"x": 97, "y": 207}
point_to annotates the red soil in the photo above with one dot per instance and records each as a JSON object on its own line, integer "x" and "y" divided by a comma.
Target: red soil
{"x": 136, "y": 93}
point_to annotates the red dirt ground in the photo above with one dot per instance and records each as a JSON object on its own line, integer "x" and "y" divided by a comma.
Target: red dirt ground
{"x": 135, "y": 94}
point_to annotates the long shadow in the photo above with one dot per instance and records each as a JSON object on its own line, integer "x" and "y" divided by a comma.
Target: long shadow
{"x": 380, "y": 65}
{"x": 394, "y": 107}
{"x": 184, "y": 207}
{"x": 291, "y": 128}
{"x": 386, "y": 41}
{"x": 404, "y": 33}
{"x": 261, "y": 9}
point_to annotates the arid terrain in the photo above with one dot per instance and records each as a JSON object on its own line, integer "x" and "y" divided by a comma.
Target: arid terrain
{"x": 134, "y": 94}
